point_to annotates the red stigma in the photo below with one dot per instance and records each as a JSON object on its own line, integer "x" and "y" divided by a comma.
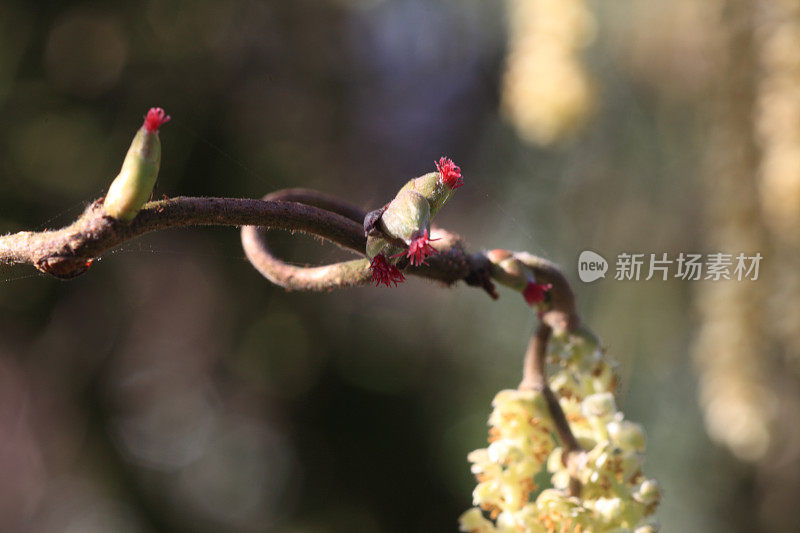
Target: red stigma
{"x": 155, "y": 118}
{"x": 450, "y": 173}
{"x": 419, "y": 249}
{"x": 535, "y": 293}
{"x": 385, "y": 272}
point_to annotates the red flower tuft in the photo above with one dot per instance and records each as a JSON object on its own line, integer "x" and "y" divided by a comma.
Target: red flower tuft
{"x": 155, "y": 118}
{"x": 450, "y": 173}
{"x": 534, "y": 293}
{"x": 419, "y": 249}
{"x": 385, "y": 272}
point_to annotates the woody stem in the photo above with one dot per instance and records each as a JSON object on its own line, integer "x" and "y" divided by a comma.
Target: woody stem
{"x": 535, "y": 378}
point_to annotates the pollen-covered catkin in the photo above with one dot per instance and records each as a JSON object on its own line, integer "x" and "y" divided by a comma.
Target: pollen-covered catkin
{"x": 731, "y": 352}
{"x": 777, "y": 37}
{"x": 547, "y": 94}
{"x": 615, "y": 495}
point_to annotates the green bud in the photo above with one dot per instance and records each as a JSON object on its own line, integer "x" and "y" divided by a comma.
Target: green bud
{"x": 406, "y": 221}
{"x": 134, "y": 184}
{"x": 406, "y": 216}
{"x": 435, "y": 187}
{"x": 379, "y": 245}
{"x": 431, "y": 186}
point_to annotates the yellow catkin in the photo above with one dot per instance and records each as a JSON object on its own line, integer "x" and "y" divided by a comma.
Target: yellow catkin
{"x": 778, "y": 136}
{"x": 547, "y": 94}
{"x": 731, "y": 349}
{"x": 777, "y": 133}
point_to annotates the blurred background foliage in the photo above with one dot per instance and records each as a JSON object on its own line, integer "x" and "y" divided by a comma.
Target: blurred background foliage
{"x": 174, "y": 389}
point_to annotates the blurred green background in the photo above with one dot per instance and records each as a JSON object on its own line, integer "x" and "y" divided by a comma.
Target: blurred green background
{"x": 174, "y": 389}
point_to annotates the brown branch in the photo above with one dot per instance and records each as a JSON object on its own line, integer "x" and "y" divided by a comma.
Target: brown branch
{"x": 534, "y": 377}
{"x": 562, "y": 315}
{"x": 450, "y": 265}
{"x": 290, "y": 277}
{"x": 69, "y": 252}
{"x": 533, "y": 368}
{"x": 328, "y": 202}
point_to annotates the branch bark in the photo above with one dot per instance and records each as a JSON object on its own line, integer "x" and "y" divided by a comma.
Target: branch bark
{"x": 70, "y": 251}
{"x": 534, "y": 377}
{"x": 452, "y": 263}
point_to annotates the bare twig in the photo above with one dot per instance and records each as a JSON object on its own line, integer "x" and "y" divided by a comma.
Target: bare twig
{"x": 534, "y": 377}
{"x": 328, "y": 202}
{"x": 449, "y": 266}
{"x": 69, "y": 252}
{"x": 562, "y": 314}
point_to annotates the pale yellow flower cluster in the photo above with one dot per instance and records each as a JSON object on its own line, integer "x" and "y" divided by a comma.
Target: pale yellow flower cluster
{"x": 615, "y": 495}
{"x": 547, "y": 94}
{"x": 734, "y": 346}
{"x": 778, "y": 136}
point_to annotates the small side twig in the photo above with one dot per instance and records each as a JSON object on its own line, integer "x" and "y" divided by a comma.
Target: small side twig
{"x": 69, "y": 252}
{"x": 534, "y": 377}
{"x": 450, "y": 265}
